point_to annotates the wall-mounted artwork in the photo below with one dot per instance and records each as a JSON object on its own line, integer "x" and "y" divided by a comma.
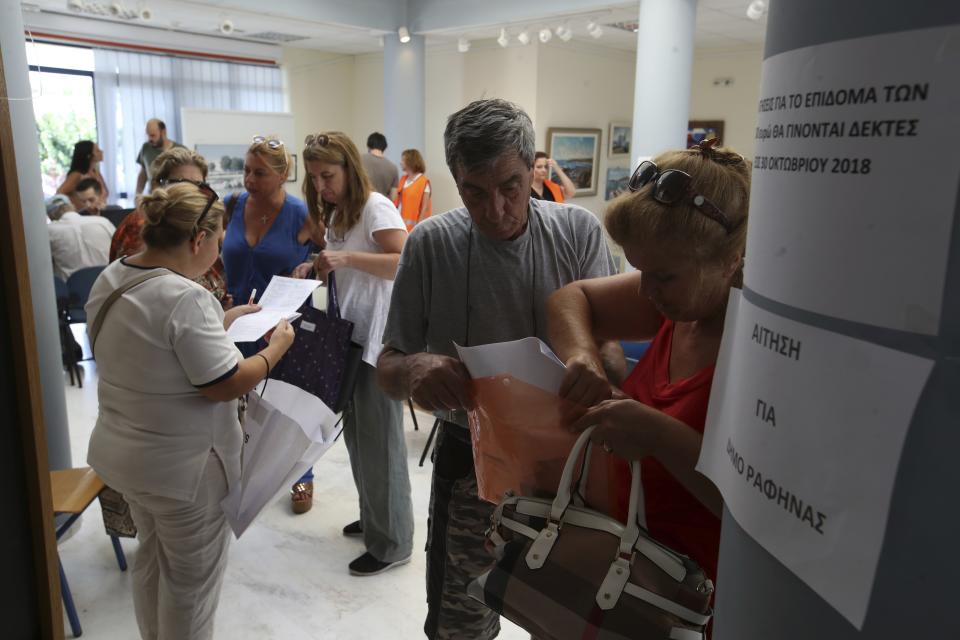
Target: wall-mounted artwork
{"x": 617, "y": 179}
{"x": 700, "y": 130}
{"x": 619, "y": 139}
{"x": 292, "y": 176}
{"x": 225, "y": 166}
{"x": 577, "y": 151}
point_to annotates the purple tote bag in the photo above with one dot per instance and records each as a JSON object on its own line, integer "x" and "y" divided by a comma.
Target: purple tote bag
{"x": 323, "y": 360}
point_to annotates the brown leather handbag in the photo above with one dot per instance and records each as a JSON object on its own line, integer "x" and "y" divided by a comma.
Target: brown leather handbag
{"x": 567, "y": 572}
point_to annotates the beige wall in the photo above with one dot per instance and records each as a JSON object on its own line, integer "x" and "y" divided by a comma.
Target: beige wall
{"x": 559, "y": 84}
{"x": 735, "y": 104}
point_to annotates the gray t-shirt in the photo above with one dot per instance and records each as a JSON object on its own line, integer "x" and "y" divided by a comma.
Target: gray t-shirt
{"x": 446, "y": 258}
{"x": 149, "y": 153}
{"x": 383, "y": 174}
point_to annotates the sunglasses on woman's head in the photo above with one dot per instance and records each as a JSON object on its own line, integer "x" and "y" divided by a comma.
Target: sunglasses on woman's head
{"x": 672, "y": 186}
{"x": 319, "y": 139}
{"x": 204, "y": 188}
{"x": 273, "y": 143}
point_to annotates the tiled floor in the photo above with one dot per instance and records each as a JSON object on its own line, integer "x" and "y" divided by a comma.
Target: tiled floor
{"x": 287, "y": 577}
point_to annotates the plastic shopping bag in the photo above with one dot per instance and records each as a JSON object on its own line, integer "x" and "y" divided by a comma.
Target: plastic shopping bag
{"x": 286, "y": 430}
{"x": 521, "y": 439}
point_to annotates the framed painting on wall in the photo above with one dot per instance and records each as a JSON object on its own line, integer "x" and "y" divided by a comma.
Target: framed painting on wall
{"x": 700, "y": 130}
{"x": 617, "y": 179}
{"x": 225, "y": 166}
{"x": 619, "y": 139}
{"x": 577, "y": 151}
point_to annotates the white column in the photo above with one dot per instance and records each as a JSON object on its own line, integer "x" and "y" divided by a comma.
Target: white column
{"x": 35, "y": 231}
{"x": 403, "y": 94}
{"x": 661, "y": 97}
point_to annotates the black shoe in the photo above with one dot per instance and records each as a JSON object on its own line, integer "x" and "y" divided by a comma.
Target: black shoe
{"x": 353, "y": 529}
{"x": 367, "y": 565}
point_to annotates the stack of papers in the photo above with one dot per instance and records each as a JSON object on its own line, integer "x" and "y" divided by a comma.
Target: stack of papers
{"x": 280, "y": 301}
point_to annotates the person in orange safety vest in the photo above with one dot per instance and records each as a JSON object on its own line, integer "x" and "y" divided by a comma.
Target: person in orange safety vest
{"x": 542, "y": 187}
{"x": 413, "y": 191}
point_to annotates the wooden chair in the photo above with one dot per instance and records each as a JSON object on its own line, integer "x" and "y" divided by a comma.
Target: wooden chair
{"x": 73, "y": 491}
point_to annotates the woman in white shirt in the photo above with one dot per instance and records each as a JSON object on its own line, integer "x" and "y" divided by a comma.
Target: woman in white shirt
{"x": 365, "y": 235}
{"x": 167, "y": 435}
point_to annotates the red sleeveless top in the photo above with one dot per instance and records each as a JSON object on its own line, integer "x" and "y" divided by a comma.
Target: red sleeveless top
{"x": 674, "y": 516}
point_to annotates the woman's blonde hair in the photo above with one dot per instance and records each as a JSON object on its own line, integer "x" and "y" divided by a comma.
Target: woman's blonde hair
{"x": 172, "y": 158}
{"x": 720, "y": 175}
{"x": 273, "y": 155}
{"x": 334, "y": 147}
{"x": 173, "y": 213}
{"x": 414, "y": 161}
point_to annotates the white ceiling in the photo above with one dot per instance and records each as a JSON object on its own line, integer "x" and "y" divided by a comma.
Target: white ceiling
{"x": 720, "y": 23}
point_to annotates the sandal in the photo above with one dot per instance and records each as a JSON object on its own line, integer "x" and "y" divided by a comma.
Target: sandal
{"x": 302, "y": 497}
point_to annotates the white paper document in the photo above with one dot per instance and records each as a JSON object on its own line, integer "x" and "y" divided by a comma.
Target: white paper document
{"x": 837, "y": 125}
{"x": 803, "y": 438}
{"x": 281, "y": 300}
{"x": 529, "y": 360}
{"x": 286, "y": 430}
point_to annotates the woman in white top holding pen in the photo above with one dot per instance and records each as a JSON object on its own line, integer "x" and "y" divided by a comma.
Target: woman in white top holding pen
{"x": 167, "y": 435}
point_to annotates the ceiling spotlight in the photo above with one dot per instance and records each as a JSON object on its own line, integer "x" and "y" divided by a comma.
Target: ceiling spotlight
{"x": 463, "y": 45}
{"x": 146, "y": 14}
{"x": 564, "y": 32}
{"x": 503, "y": 40}
{"x": 117, "y": 9}
{"x": 757, "y": 9}
{"x": 75, "y": 5}
{"x": 545, "y": 35}
{"x": 404, "y": 34}
{"x": 594, "y": 29}
{"x": 226, "y": 27}
{"x": 524, "y": 37}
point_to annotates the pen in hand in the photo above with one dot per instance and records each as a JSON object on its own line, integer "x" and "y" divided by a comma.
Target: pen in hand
{"x": 253, "y": 295}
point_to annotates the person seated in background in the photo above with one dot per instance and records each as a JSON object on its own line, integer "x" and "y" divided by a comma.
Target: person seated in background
{"x": 414, "y": 199}
{"x": 84, "y": 165}
{"x": 683, "y": 225}
{"x": 88, "y": 197}
{"x": 545, "y": 189}
{"x": 175, "y": 165}
{"x": 76, "y": 241}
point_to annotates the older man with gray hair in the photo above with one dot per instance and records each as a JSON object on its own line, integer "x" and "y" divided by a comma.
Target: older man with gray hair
{"x": 476, "y": 275}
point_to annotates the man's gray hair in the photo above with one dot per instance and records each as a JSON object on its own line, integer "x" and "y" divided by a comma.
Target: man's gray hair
{"x": 483, "y": 131}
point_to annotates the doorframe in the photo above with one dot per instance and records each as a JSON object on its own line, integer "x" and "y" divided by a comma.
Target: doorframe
{"x": 22, "y": 342}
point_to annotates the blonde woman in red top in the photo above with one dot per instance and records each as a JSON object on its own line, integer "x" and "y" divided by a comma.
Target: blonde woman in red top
{"x": 683, "y": 226}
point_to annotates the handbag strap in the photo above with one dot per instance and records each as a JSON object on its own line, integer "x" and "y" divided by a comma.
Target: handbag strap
{"x": 333, "y": 304}
{"x": 94, "y": 329}
{"x": 631, "y": 533}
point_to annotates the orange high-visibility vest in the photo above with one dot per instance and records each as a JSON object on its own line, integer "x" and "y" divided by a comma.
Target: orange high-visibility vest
{"x": 555, "y": 189}
{"x": 410, "y": 199}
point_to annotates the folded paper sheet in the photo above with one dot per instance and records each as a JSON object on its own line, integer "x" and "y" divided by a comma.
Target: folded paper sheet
{"x": 281, "y": 300}
{"x": 286, "y": 430}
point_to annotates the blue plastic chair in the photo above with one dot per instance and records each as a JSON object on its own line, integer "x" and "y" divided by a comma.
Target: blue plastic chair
{"x": 79, "y": 285}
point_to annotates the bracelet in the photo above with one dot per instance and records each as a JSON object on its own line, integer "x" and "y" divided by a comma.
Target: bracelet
{"x": 267, "y": 363}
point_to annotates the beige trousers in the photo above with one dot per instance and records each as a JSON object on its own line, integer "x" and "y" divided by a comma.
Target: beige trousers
{"x": 182, "y": 556}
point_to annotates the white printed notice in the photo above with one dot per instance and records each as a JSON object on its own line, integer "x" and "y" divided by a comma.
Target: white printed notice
{"x": 838, "y": 124}
{"x": 803, "y": 439}
{"x": 280, "y": 301}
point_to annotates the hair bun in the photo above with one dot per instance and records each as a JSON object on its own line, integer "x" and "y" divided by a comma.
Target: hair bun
{"x": 155, "y": 205}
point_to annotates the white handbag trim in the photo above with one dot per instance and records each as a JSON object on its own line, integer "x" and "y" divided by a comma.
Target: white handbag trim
{"x": 667, "y": 605}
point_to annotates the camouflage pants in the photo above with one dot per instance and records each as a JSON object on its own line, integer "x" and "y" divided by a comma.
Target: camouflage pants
{"x": 455, "y": 543}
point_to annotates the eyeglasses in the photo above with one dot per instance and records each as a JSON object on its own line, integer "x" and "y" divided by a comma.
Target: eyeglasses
{"x": 273, "y": 143}
{"x": 319, "y": 139}
{"x": 671, "y": 186}
{"x": 204, "y": 188}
